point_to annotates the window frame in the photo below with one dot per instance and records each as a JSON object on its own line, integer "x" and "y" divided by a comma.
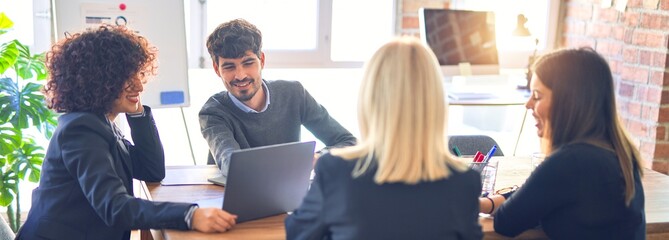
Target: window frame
{"x": 317, "y": 58}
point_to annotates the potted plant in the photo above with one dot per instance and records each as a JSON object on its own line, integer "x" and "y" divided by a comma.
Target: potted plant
{"x": 23, "y": 118}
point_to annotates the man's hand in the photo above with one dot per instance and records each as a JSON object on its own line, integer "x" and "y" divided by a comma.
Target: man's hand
{"x": 211, "y": 220}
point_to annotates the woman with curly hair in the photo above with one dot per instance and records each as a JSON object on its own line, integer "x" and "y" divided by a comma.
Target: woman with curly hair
{"x": 86, "y": 190}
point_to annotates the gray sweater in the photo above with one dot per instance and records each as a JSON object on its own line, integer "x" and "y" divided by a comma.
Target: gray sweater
{"x": 227, "y": 128}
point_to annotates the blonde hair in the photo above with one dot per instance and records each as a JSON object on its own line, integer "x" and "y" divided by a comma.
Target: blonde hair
{"x": 402, "y": 116}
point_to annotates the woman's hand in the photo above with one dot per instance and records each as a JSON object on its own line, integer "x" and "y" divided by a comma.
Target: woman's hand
{"x": 211, "y": 220}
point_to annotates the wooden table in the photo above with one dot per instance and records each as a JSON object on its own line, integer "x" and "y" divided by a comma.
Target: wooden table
{"x": 512, "y": 171}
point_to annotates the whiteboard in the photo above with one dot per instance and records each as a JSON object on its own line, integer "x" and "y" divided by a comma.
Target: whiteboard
{"x": 162, "y": 22}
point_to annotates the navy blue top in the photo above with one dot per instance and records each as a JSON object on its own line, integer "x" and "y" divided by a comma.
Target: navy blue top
{"x": 576, "y": 193}
{"x": 339, "y": 206}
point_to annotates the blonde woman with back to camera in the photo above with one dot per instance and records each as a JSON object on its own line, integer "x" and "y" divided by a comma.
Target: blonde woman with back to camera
{"x": 399, "y": 181}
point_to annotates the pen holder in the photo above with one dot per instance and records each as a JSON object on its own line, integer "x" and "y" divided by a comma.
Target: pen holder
{"x": 488, "y": 171}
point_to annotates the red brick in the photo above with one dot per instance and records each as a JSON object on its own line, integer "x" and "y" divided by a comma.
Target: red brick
{"x": 609, "y": 48}
{"x": 664, "y": 97}
{"x": 630, "y": 55}
{"x": 633, "y": 110}
{"x": 649, "y": 39}
{"x": 664, "y": 5}
{"x": 660, "y": 133}
{"x": 647, "y": 147}
{"x": 640, "y": 92}
{"x": 653, "y": 95}
{"x": 575, "y": 42}
{"x": 606, "y": 14}
{"x": 645, "y": 57}
{"x": 626, "y": 90}
{"x": 575, "y": 27}
{"x": 580, "y": 11}
{"x": 661, "y": 150}
{"x": 658, "y": 59}
{"x": 661, "y": 166}
{"x": 631, "y": 19}
{"x": 638, "y": 129}
{"x": 663, "y": 115}
{"x": 629, "y": 35}
{"x": 618, "y": 32}
{"x": 615, "y": 66}
{"x": 650, "y": 112}
{"x": 599, "y": 30}
{"x": 634, "y": 4}
{"x": 635, "y": 74}
{"x": 409, "y": 22}
{"x": 413, "y": 5}
{"x": 655, "y": 21}
{"x": 659, "y": 78}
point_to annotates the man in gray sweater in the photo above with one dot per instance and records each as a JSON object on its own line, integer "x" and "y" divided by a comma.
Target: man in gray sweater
{"x": 242, "y": 117}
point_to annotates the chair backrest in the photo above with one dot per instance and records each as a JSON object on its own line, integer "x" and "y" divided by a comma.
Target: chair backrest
{"x": 6, "y": 232}
{"x": 210, "y": 159}
{"x": 469, "y": 144}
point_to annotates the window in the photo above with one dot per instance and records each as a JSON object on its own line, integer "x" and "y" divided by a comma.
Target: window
{"x": 304, "y": 33}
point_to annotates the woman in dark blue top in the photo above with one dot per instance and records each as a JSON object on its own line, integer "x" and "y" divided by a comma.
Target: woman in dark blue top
{"x": 399, "y": 182}
{"x": 589, "y": 186}
{"x": 86, "y": 189}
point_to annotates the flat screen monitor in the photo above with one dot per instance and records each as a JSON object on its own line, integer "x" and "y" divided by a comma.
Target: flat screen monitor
{"x": 463, "y": 41}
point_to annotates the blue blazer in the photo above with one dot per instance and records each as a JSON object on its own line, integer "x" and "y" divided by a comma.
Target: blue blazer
{"x": 85, "y": 191}
{"x": 338, "y": 206}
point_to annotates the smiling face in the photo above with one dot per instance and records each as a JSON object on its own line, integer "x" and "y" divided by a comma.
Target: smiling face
{"x": 242, "y": 77}
{"x": 540, "y": 102}
{"x": 128, "y": 101}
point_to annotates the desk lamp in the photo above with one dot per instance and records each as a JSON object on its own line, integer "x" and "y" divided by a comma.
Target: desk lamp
{"x": 522, "y": 31}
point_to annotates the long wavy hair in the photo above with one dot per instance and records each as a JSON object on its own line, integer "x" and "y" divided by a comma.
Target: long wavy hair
{"x": 584, "y": 107}
{"x": 402, "y": 116}
{"x": 89, "y": 70}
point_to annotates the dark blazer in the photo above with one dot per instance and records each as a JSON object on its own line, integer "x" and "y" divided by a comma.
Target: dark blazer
{"x": 339, "y": 206}
{"x": 85, "y": 191}
{"x": 576, "y": 193}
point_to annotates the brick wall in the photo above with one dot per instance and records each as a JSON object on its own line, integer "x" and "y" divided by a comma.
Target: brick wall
{"x": 635, "y": 43}
{"x": 408, "y": 21}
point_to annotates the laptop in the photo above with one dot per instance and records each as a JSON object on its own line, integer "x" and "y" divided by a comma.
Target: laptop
{"x": 265, "y": 181}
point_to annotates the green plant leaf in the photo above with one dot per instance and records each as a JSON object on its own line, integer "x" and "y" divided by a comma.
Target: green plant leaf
{"x": 9, "y": 54}
{"x": 28, "y": 63}
{"x": 6, "y": 196}
{"x": 5, "y": 23}
{"x": 10, "y": 140}
{"x": 23, "y": 107}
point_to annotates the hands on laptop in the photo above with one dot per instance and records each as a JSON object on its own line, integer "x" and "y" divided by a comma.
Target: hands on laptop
{"x": 211, "y": 220}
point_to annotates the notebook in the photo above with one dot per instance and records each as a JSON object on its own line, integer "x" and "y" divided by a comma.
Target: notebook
{"x": 265, "y": 181}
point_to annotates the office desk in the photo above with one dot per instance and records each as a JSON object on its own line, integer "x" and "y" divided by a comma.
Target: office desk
{"x": 512, "y": 171}
{"x": 503, "y": 96}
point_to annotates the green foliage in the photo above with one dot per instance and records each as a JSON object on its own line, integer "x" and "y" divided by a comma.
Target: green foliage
{"x": 22, "y": 113}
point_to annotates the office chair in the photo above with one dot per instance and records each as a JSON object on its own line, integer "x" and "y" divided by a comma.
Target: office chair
{"x": 210, "y": 159}
{"x": 469, "y": 144}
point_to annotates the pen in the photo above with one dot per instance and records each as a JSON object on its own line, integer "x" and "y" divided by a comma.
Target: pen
{"x": 456, "y": 150}
{"x": 490, "y": 153}
{"x": 478, "y": 157}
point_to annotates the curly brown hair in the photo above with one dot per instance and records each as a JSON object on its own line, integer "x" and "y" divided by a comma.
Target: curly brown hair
{"x": 89, "y": 70}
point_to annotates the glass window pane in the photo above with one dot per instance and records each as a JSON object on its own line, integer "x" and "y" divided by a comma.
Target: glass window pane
{"x": 21, "y": 13}
{"x": 285, "y": 24}
{"x": 360, "y": 27}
